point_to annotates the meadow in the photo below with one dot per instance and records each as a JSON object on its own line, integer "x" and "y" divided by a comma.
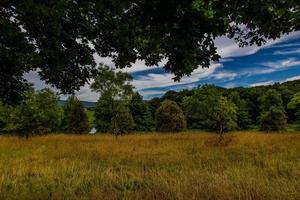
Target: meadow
{"x": 151, "y": 166}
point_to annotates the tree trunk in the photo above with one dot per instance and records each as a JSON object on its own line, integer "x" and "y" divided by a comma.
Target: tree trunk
{"x": 221, "y": 132}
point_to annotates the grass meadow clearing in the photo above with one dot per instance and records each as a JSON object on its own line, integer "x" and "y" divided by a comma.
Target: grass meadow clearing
{"x": 151, "y": 166}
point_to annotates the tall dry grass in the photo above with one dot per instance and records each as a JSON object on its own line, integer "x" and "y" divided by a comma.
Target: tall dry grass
{"x": 150, "y": 166}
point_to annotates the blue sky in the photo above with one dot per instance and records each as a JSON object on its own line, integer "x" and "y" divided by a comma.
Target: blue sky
{"x": 277, "y": 61}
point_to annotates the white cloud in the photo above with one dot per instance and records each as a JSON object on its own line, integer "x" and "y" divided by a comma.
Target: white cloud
{"x": 164, "y": 80}
{"x": 286, "y": 52}
{"x": 34, "y": 78}
{"x": 256, "y": 71}
{"x": 225, "y": 47}
{"x": 84, "y": 94}
{"x": 225, "y": 75}
{"x": 152, "y": 92}
{"x": 262, "y": 83}
{"x": 289, "y": 62}
{"x": 287, "y": 45}
{"x": 230, "y": 85}
{"x": 229, "y": 48}
{"x": 294, "y": 78}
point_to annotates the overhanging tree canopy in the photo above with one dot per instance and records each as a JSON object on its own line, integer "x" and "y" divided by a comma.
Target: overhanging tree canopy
{"x": 60, "y": 37}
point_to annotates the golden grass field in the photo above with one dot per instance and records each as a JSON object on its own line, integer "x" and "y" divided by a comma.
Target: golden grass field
{"x": 151, "y": 166}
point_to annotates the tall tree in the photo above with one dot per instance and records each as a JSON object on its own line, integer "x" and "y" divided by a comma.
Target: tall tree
{"x": 59, "y": 38}
{"x": 140, "y": 113}
{"x": 75, "y": 119}
{"x": 272, "y": 116}
{"x": 112, "y": 107}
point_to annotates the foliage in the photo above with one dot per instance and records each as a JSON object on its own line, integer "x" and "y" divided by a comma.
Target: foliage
{"x": 223, "y": 115}
{"x": 273, "y": 120}
{"x": 153, "y": 105}
{"x": 113, "y": 116}
{"x": 122, "y": 121}
{"x": 104, "y": 112}
{"x": 112, "y": 107}
{"x": 295, "y": 101}
{"x": 38, "y": 114}
{"x": 75, "y": 119}
{"x": 59, "y": 38}
{"x": 169, "y": 117}
{"x": 193, "y": 110}
{"x": 209, "y": 109}
{"x": 5, "y": 116}
{"x": 272, "y": 116}
{"x": 294, "y": 105}
{"x": 243, "y": 117}
{"x": 116, "y": 85}
{"x": 140, "y": 113}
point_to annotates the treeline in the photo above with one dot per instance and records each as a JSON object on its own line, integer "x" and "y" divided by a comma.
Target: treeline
{"x": 40, "y": 113}
{"x": 208, "y": 107}
{"x": 120, "y": 110}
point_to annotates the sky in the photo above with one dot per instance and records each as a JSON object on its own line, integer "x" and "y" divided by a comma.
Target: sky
{"x": 276, "y": 61}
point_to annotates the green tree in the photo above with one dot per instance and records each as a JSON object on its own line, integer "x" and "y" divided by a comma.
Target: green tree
{"x": 272, "y": 116}
{"x": 198, "y": 106}
{"x": 153, "y": 105}
{"x": 123, "y": 121}
{"x": 75, "y": 119}
{"x": 113, "y": 116}
{"x": 243, "y": 117}
{"x": 59, "y": 38}
{"x": 222, "y": 116}
{"x": 38, "y": 114}
{"x": 112, "y": 107}
{"x": 287, "y": 95}
{"x": 251, "y": 96}
{"x": 104, "y": 113}
{"x": 169, "y": 117}
{"x": 5, "y": 116}
{"x": 294, "y": 105}
{"x": 209, "y": 109}
{"x": 140, "y": 113}
{"x": 194, "y": 112}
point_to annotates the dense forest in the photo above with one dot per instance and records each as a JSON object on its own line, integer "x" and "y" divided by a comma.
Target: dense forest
{"x": 121, "y": 110}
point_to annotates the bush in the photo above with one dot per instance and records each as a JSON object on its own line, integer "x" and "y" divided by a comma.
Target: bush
{"x": 169, "y": 117}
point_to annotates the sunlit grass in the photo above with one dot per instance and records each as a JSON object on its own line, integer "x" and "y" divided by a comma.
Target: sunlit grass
{"x": 150, "y": 166}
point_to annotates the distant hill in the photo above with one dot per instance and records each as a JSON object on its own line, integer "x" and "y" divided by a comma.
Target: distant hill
{"x": 86, "y": 104}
